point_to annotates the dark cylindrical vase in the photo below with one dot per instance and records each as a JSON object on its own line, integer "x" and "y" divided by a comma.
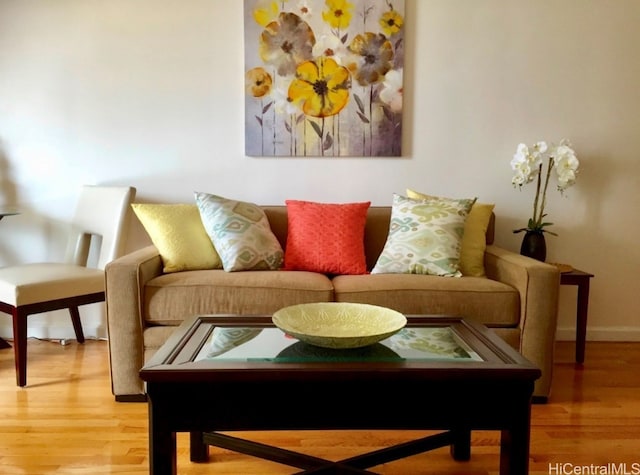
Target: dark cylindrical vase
{"x": 534, "y": 245}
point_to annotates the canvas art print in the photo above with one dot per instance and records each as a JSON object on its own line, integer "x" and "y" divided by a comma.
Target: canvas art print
{"x": 323, "y": 77}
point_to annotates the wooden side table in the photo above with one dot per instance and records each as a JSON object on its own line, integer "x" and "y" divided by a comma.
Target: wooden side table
{"x": 581, "y": 279}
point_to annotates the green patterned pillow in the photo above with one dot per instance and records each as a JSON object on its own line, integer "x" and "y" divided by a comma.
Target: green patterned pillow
{"x": 240, "y": 232}
{"x": 424, "y": 237}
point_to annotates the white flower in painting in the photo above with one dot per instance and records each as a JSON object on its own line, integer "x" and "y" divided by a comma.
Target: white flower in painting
{"x": 281, "y": 101}
{"x": 330, "y": 46}
{"x": 392, "y": 90}
{"x": 303, "y": 9}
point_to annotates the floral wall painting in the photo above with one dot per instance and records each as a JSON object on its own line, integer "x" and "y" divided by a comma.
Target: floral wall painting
{"x": 323, "y": 78}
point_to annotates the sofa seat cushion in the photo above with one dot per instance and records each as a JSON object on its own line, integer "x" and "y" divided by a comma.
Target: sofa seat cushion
{"x": 487, "y": 301}
{"x": 154, "y": 337}
{"x": 511, "y": 335}
{"x": 173, "y": 297}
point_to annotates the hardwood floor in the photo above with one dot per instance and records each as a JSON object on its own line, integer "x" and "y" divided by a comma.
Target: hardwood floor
{"x": 67, "y": 422}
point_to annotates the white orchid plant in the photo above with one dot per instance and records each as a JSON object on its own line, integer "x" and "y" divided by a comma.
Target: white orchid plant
{"x": 527, "y": 165}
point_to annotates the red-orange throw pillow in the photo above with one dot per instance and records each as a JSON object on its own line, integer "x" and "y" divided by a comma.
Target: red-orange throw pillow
{"x": 326, "y": 237}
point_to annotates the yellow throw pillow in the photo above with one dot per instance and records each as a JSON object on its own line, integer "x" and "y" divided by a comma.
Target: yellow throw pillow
{"x": 474, "y": 240}
{"x": 178, "y": 233}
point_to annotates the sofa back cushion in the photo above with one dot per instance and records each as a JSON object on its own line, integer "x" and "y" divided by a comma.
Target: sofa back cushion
{"x": 375, "y": 231}
{"x": 277, "y": 216}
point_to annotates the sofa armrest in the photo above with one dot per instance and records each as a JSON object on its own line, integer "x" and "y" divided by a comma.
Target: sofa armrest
{"x": 538, "y": 285}
{"x": 125, "y": 281}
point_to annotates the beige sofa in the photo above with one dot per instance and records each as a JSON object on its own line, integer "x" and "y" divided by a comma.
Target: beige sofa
{"x": 518, "y": 298}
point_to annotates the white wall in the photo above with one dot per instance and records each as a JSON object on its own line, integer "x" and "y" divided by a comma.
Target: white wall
{"x": 151, "y": 93}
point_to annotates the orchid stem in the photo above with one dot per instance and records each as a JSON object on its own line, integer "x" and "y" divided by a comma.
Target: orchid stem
{"x": 535, "y": 201}
{"x": 544, "y": 193}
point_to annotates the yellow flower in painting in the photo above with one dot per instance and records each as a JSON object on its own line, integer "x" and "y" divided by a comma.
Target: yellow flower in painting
{"x": 375, "y": 54}
{"x": 391, "y": 22}
{"x": 287, "y": 42}
{"x": 258, "y": 82}
{"x": 321, "y": 87}
{"x": 265, "y": 12}
{"x": 338, "y": 14}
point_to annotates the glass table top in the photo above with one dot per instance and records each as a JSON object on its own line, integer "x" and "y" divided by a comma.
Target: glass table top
{"x": 231, "y": 343}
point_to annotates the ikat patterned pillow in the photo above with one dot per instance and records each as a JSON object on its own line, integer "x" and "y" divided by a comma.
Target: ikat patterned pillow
{"x": 474, "y": 240}
{"x": 240, "y": 233}
{"x": 424, "y": 237}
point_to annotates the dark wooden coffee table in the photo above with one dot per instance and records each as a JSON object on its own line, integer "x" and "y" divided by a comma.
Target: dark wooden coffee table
{"x": 298, "y": 388}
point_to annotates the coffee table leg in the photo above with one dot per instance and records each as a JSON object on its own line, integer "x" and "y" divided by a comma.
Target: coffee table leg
{"x": 198, "y": 449}
{"x": 162, "y": 446}
{"x": 460, "y": 449}
{"x": 514, "y": 446}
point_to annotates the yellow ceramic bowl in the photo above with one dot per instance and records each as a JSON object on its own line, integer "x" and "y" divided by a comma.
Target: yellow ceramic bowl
{"x": 338, "y": 324}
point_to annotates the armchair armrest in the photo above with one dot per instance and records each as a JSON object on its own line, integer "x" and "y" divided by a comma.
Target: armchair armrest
{"x": 124, "y": 276}
{"x": 538, "y": 285}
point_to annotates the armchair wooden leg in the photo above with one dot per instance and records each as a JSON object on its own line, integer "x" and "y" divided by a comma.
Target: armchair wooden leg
{"x": 77, "y": 324}
{"x": 20, "y": 346}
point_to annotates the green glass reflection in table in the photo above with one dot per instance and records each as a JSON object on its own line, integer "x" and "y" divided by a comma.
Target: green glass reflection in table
{"x": 271, "y": 344}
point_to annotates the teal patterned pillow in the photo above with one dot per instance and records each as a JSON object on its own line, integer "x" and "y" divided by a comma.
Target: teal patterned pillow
{"x": 424, "y": 237}
{"x": 240, "y": 232}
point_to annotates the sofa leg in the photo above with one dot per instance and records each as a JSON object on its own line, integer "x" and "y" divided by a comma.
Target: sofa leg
{"x": 131, "y": 398}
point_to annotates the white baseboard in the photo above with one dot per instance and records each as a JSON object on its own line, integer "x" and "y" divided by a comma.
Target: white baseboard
{"x": 601, "y": 334}
{"x": 55, "y": 332}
